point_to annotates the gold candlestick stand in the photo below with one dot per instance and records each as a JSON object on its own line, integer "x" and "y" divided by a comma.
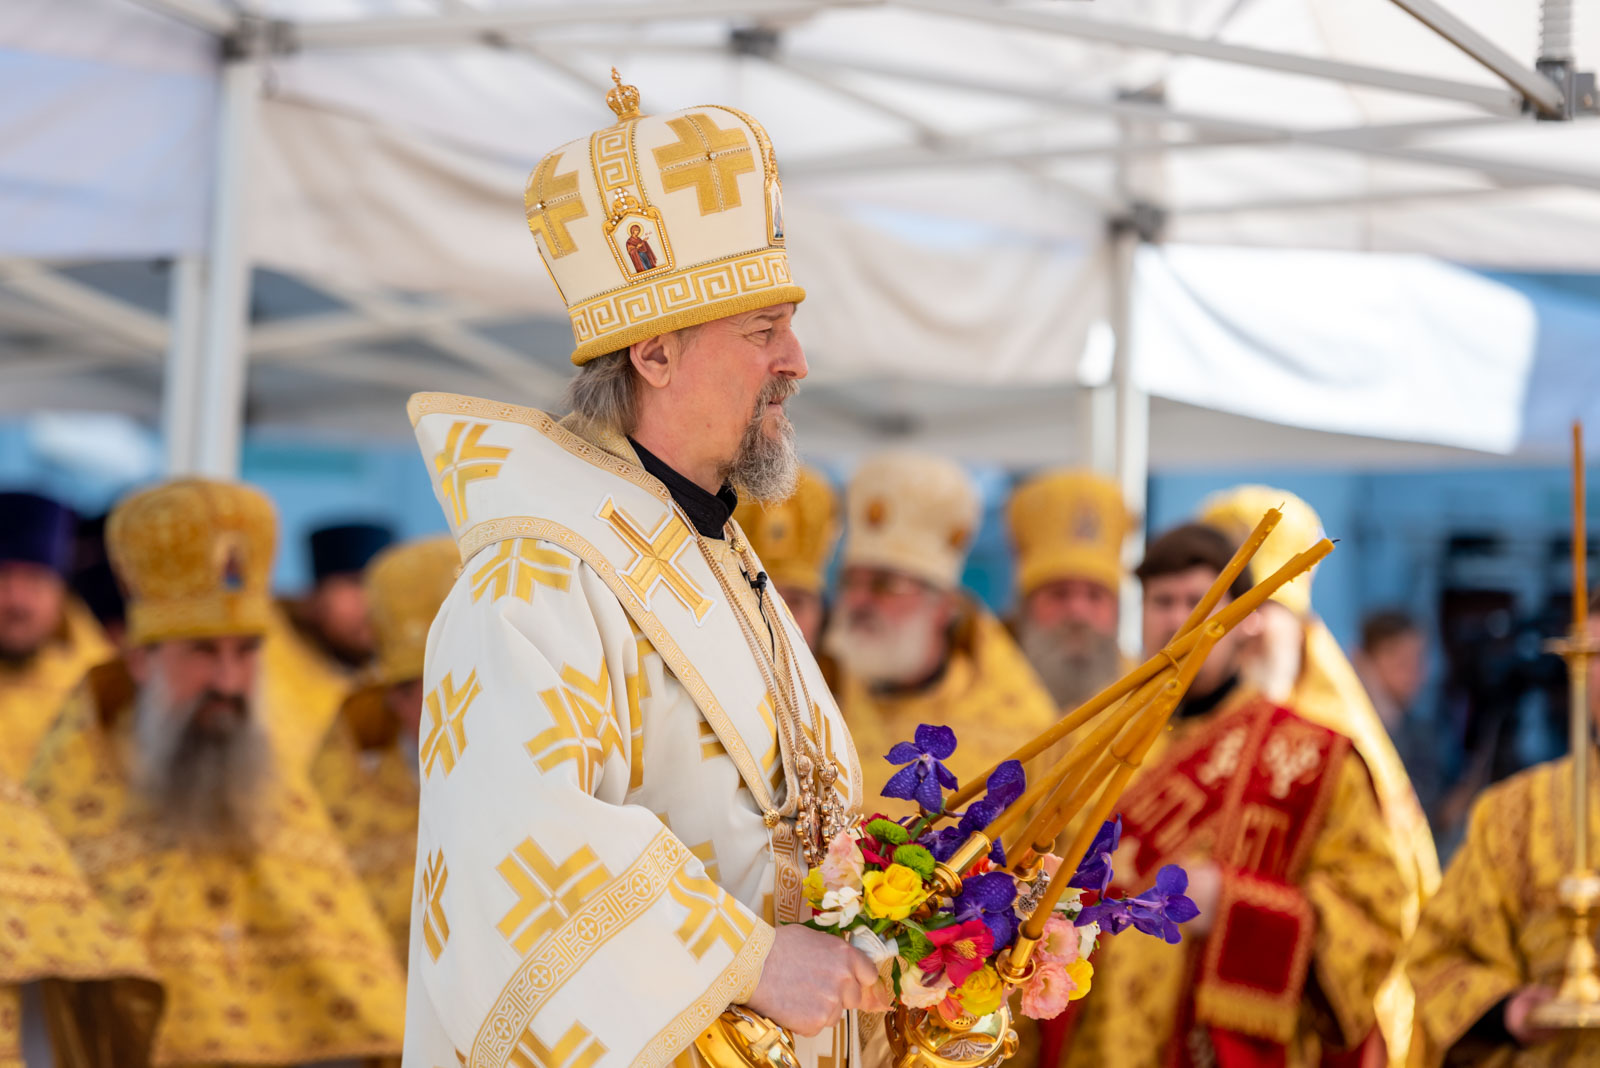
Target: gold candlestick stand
{"x": 1576, "y": 1005}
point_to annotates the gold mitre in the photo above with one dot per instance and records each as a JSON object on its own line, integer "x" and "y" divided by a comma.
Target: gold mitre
{"x": 195, "y": 557}
{"x": 1068, "y": 524}
{"x": 1236, "y": 512}
{"x": 406, "y": 584}
{"x": 795, "y": 538}
{"x": 912, "y": 513}
{"x": 660, "y": 222}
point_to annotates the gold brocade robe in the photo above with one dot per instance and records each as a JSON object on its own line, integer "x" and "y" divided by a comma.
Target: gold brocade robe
{"x": 1330, "y": 693}
{"x": 31, "y": 695}
{"x": 302, "y": 687}
{"x": 51, "y": 924}
{"x": 1344, "y": 889}
{"x": 369, "y": 786}
{"x": 272, "y": 957}
{"x": 1495, "y": 925}
{"x": 988, "y": 694}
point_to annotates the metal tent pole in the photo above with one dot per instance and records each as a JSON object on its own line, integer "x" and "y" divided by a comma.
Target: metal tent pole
{"x": 221, "y": 396}
{"x": 180, "y": 381}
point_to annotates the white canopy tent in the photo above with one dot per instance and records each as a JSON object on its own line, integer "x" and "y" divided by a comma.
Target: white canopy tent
{"x": 969, "y": 187}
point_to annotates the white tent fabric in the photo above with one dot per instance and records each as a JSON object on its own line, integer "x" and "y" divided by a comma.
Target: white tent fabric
{"x": 951, "y": 169}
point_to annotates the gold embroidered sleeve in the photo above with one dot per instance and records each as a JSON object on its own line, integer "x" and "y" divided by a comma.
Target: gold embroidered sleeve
{"x": 1464, "y": 957}
{"x": 1354, "y": 884}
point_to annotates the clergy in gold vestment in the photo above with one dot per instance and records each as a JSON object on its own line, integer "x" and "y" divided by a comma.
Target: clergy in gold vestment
{"x": 170, "y": 788}
{"x": 1275, "y": 819}
{"x": 48, "y": 639}
{"x": 910, "y": 646}
{"x": 318, "y": 644}
{"x": 629, "y": 756}
{"x": 795, "y": 539}
{"x": 53, "y": 928}
{"x": 367, "y": 769}
{"x": 1068, "y": 528}
{"x": 1491, "y": 943}
{"x": 1295, "y": 659}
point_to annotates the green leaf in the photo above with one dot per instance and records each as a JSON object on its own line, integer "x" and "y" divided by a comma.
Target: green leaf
{"x": 916, "y": 947}
{"x": 888, "y": 831}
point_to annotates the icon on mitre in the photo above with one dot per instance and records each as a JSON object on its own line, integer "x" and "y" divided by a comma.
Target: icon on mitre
{"x": 639, "y": 243}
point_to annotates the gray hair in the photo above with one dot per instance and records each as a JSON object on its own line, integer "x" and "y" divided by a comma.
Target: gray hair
{"x": 605, "y": 392}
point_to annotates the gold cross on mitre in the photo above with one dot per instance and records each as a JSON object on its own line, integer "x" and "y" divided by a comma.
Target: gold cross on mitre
{"x": 655, "y": 556}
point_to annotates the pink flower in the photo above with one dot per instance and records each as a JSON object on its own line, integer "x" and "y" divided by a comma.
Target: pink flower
{"x": 843, "y": 864}
{"x": 958, "y": 950}
{"x": 1048, "y": 864}
{"x": 1046, "y": 995}
{"x": 1061, "y": 942}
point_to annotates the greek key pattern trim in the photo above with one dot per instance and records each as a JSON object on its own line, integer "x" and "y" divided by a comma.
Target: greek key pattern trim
{"x": 693, "y": 287}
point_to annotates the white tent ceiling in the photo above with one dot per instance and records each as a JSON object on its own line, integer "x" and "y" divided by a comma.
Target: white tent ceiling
{"x": 953, "y": 168}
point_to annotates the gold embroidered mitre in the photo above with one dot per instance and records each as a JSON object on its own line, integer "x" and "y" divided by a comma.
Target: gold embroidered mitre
{"x": 660, "y": 222}
{"x": 1236, "y": 512}
{"x": 795, "y": 538}
{"x": 406, "y": 584}
{"x": 1068, "y": 524}
{"x": 912, "y": 513}
{"x": 195, "y": 557}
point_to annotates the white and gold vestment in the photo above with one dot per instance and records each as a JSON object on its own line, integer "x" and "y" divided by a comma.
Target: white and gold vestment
{"x": 613, "y": 728}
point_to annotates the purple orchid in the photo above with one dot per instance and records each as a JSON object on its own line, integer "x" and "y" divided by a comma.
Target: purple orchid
{"x": 1005, "y": 785}
{"x": 924, "y": 773}
{"x": 988, "y": 897}
{"x": 1094, "y": 872}
{"x": 1157, "y": 912}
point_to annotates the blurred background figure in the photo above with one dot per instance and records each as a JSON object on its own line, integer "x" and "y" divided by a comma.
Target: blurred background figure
{"x": 1392, "y": 664}
{"x": 318, "y": 642}
{"x": 795, "y": 541}
{"x": 910, "y": 646}
{"x": 333, "y": 615}
{"x": 1491, "y": 945}
{"x": 367, "y": 770}
{"x": 48, "y": 639}
{"x": 1294, "y": 659}
{"x": 94, "y": 581}
{"x": 1276, "y": 823}
{"x": 265, "y": 947}
{"x": 1068, "y": 528}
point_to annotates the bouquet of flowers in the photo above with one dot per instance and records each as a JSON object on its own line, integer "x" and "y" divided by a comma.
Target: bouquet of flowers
{"x": 941, "y": 953}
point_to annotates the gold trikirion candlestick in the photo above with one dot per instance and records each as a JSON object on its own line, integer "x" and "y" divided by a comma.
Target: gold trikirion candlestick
{"x": 1577, "y": 1004}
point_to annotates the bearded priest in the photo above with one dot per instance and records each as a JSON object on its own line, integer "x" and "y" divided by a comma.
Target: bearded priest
{"x": 629, "y": 756}
{"x": 167, "y": 781}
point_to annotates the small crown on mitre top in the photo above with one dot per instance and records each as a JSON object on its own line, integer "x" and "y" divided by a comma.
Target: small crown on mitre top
{"x": 623, "y": 99}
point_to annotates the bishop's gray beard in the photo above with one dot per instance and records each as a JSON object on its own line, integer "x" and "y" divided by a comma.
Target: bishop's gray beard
{"x": 204, "y": 784}
{"x": 1073, "y": 660}
{"x": 767, "y": 466}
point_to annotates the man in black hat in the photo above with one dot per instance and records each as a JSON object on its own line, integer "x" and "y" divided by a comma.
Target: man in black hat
{"x": 47, "y": 638}
{"x": 333, "y": 616}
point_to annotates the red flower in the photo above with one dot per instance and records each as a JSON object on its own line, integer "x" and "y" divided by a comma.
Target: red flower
{"x": 958, "y": 951}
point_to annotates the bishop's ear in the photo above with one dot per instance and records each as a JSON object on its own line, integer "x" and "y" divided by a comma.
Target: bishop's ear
{"x": 656, "y": 359}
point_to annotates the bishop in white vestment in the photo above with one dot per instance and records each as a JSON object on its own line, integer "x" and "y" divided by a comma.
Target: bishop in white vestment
{"x": 626, "y": 749}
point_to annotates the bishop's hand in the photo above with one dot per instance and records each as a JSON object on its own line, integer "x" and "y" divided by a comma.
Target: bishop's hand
{"x": 811, "y": 978}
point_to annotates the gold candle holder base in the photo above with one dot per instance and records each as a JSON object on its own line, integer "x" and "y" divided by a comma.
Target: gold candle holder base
{"x": 740, "y": 1038}
{"x": 921, "y": 1038}
{"x": 1576, "y": 1006}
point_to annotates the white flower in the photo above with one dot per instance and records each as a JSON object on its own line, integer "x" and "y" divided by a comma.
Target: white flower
{"x": 916, "y": 994}
{"x": 1086, "y": 939}
{"x": 878, "y": 949}
{"x": 840, "y": 907}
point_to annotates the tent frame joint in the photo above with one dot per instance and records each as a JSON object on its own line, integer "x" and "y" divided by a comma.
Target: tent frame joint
{"x": 1145, "y": 219}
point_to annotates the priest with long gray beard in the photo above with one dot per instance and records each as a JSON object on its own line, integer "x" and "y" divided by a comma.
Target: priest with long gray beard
{"x": 167, "y": 781}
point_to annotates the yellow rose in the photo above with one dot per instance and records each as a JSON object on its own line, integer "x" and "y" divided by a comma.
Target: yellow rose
{"x": 982, "y": 993}
{"x": 892, "y": 894}
{"x": 1081, "y": 972}
{"x": 813, "y": 886}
